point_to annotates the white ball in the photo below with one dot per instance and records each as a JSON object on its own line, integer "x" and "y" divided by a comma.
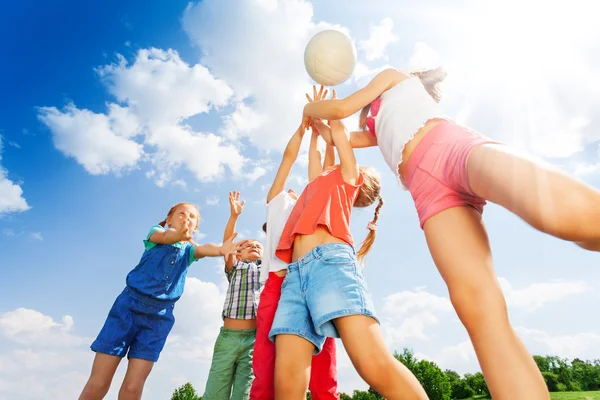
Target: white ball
{"x": 330, "y": 58}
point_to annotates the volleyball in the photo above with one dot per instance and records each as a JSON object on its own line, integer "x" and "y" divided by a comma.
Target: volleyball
{"x": 330, "y": 58}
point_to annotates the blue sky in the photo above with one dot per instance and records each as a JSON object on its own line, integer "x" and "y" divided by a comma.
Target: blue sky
{"x": 110, "y": 115}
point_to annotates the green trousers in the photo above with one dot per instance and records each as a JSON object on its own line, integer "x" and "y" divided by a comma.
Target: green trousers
{"x": 231, "y": 375}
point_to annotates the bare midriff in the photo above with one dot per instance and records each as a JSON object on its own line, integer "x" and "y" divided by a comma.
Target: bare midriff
{"x": 305, "y": 243}
{"x": 239, "y": 324}
{"x": 411, "y": 145}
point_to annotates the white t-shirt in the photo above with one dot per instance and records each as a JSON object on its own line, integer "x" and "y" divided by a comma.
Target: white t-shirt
{"x": 278, "y": 211}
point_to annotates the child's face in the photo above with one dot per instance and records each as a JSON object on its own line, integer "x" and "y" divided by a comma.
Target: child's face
{"x": 184, "y": 215}
{"x": 252, "y": 251}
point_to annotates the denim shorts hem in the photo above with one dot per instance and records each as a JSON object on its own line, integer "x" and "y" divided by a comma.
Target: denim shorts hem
{"x": 105, "y": 348}
{"x": 318, "y": 343}
{"x": 144, "y": 356}
{"x": 345, "y": 313}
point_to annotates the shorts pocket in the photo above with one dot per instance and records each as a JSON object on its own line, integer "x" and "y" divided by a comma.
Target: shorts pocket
{"x": 336, "y": 257}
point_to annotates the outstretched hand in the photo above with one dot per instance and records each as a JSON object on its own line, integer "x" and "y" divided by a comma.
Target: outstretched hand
{"x": 317, "y": 96}
{"x": 234, "y": 203}
{"x": 230, "y": 247}
{"x": 184, "y": 233}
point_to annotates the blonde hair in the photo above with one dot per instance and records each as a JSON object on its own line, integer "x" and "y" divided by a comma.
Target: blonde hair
{"x": 367, "y": 243}
{"x": 430, "y": 78}
{"x": 163, "y": 223}
{"x": 370, "y": 191}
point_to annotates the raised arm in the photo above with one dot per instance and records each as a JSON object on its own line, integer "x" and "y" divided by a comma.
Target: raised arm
{"x": 329, "y": 160}
{"x": 290, "y": 155}
{"x": 348, "y": 164}
{"x": 314, "y": 157}
{"x": 337, "y": 109}
{"x": 236, "y": 209}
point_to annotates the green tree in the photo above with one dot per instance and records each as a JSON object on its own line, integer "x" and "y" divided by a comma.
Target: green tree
{"x": 551, "y": 381}
{"x": 362, "y": 395}
{"x": 185, "y": 392}
{"x": 344, "y": 396}
{"x": 462, "y": 390}
{"x": 542, "y": 363}
{"x": 477, "y": 382}
{"x": 432, "y": 378}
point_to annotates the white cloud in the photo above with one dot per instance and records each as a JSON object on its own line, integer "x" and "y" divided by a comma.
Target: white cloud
{"x": 37, "y": 236}
{"x": 584, "y": 345}
{"x": 11, "y": 194}
{"x": 30, "y": 327}
{"x": 43, "y": 358}
{"x": 91, "y": 140}
{"x": 407, "y": 314}
{"x": 162, "y": 89}
{"x": 212, "y": 200}
{"x": 157, "y": 92}
{"x": 262, "y": 61}
{"x": 536, "y": 295}
{"x": 423, "y": 57}
{"x": 381, "y": 37}
{"x": 410, "y": 314}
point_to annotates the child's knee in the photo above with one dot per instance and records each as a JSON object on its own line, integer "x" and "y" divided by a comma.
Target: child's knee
{"x": 477, "y": 304}
{"x": 131, "y": 390}
{"x": 95, "y": 389}
{"x": 374, "y": 369}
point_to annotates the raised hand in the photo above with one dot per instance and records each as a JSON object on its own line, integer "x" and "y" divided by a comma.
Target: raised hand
{"x": 229, "y": 247}
{"x": 235, "y": 206}
{"x": 317, "y": 96}
{"x": 185, "y": 233}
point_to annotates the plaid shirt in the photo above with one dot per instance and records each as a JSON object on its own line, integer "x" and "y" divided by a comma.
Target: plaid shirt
{"x": 242, "y": 296}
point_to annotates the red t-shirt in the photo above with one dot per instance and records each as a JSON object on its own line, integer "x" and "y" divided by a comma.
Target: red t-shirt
{"x": 327, "y": 201}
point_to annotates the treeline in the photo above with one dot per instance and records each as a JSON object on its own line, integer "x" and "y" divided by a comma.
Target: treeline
{"x": 560, "y": 374}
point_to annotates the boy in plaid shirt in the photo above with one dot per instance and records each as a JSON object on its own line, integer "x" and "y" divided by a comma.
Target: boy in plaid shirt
{"x": 231, "y": 375}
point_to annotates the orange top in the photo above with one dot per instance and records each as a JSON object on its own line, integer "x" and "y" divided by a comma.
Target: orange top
{"x": 327, "y": 201}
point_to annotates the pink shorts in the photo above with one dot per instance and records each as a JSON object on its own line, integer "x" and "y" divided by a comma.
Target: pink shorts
{"x": 436, "y": 172}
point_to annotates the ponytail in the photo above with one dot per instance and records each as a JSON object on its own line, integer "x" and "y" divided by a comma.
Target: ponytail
{"x": 431, "y": 79}
{"x": 163, "y": 223}
{"x": 366, "y": 245}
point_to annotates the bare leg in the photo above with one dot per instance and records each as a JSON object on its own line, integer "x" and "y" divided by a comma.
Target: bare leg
{"x": 135, "y": 378}
{"x": 547, "y": 199}
{"x": 373, "y": 361}
{"x": 292, "y": 367}
{"x": 103, "y": 370}
{"x": 460, "y": 249}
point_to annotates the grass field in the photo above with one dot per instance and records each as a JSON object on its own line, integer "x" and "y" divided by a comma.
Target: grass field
{"x": 568, "y": 396}
{"x": 576, "y": 396}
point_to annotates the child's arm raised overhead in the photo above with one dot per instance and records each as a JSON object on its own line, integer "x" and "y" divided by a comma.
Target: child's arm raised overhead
{"x": 329, "y": 160}
{"x": 348, "y": 164}
{"x": 290, "y": 154}
{"x": 314, "y": 157}
{"x": 236, "y": 209}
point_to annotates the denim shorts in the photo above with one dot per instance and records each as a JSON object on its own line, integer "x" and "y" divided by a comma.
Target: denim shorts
{"x": 136, "y": 324}
{"x": 319, "y": 287}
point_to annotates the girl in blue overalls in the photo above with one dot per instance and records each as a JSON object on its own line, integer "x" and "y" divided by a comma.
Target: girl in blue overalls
{"x": 142, "y": 316}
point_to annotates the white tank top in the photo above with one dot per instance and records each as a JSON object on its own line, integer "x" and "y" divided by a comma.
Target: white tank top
{"x": 403, "y": 111}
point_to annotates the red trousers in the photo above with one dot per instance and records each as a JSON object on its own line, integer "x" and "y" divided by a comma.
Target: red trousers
{"x": 323, "y": 373}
